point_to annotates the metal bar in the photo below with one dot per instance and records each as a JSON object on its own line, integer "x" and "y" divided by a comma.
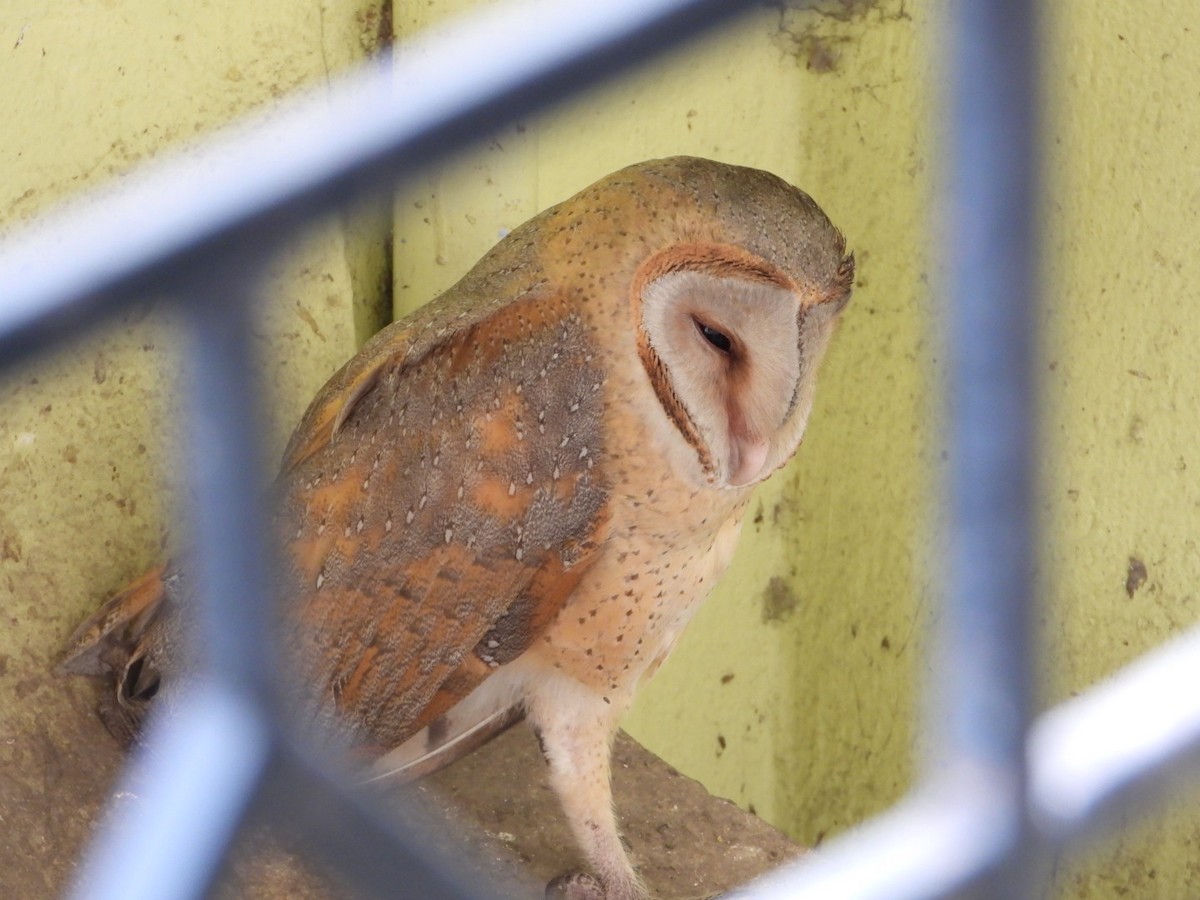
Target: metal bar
{"x": 172, "y": 220}
{"x": 985, "y": 661}
{"x": 227, "y": 566}
{"x": 982, "y": 690}
{"x": 1118, "y": 746}
{"x": 346, "y": 828}
{"x": 183, "y": 801}
{"x": 203, "y": 768}
{"x": 936, "y": 843}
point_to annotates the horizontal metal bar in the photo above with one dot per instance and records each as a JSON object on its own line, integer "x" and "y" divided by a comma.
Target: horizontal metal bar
{"x": 170, "y": 220}
{"x": 1119, "y": 745}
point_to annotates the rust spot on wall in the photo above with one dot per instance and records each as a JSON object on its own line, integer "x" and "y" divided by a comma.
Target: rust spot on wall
{"x": 1136, "y": 426}
{"x": 1135, "y": 577}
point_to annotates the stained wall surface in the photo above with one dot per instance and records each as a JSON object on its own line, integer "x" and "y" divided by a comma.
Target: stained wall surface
{"x": 1121, "y": 348}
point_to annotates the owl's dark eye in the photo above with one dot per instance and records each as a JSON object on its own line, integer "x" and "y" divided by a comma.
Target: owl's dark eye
{"x": 718, "y": 339}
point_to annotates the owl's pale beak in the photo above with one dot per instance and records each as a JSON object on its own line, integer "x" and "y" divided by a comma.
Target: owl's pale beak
{"x": 747, "y": 456}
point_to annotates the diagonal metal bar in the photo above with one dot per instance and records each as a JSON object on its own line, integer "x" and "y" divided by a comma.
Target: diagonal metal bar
{"x": 1119, "y": 746}
{"x": 936, "y": 843}
{"x": 185, "y": 798}
{"x": 457, "y": 84}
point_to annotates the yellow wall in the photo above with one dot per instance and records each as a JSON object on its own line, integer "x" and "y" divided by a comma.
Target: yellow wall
{"x": 1122, "y": 376}
{"x": 794, "y": 690}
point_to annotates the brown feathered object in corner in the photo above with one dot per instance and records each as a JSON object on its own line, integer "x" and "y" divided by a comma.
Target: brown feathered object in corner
{"x": 512, "y": 502}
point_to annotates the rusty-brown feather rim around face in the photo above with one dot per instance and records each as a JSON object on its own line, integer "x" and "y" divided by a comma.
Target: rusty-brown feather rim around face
{"x": 721, "y": 261}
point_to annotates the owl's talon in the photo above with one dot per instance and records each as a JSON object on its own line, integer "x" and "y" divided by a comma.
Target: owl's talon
{"x": 575, "y": 886}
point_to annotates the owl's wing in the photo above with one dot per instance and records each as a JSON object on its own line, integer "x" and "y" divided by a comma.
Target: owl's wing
{"x": 438, "y": 507}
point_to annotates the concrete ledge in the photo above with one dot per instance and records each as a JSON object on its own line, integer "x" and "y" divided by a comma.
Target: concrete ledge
{"x": 686, "y": 842}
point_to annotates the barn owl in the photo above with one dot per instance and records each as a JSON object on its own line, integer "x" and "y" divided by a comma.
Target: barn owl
{"x": 511, "y": 502}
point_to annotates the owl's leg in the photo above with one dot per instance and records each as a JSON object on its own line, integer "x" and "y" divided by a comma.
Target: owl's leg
{"x": 576, "y": 728}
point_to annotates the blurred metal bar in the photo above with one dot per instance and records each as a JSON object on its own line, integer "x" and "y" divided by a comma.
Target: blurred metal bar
{"x": 982, "y": 689}
{"x": 228, "y": 568}
{"x": 1119, "y": 746}
{"x": 344, "y": 827}
{"x": 983, "y": 682}
{"x": 203, "y": 767}
{"x": 169, "y": 221}
{"x": 936, "y": 843}
{"x": 182, "y": 802}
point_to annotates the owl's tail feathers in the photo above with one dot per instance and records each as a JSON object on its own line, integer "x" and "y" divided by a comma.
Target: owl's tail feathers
{"x": 487, "y": 711}
{"x": 120, "y": 640}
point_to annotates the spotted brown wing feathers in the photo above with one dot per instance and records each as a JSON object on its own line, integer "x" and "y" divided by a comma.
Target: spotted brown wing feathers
{"x": 450, "y": 519}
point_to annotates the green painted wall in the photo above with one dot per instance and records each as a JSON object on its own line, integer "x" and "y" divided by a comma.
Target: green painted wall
{"x": 794, "y": 691}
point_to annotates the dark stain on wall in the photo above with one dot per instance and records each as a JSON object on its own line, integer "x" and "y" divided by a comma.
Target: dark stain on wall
{"x": 1135, "y": 576}
{"x": 779, "y": 601}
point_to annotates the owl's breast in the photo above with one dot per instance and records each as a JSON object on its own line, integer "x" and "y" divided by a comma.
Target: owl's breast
{"x": 632, "y": 605}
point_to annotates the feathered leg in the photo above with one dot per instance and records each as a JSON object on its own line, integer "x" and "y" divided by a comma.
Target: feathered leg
{"x": 576, "y": 729}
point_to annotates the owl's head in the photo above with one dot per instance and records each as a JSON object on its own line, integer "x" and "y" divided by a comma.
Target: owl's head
{"x": 732, "y": 322}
